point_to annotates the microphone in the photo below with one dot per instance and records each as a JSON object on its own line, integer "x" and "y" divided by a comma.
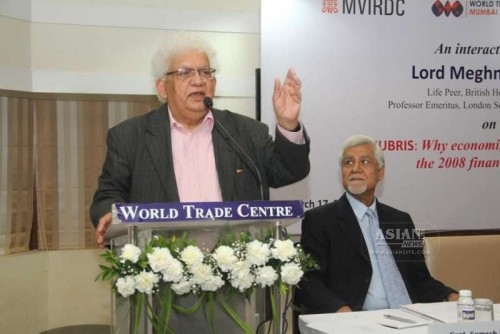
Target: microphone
{"x": 208, "y": 102}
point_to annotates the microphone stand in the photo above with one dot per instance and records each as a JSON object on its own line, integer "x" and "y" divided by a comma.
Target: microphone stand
{"x": 277, "y": 325}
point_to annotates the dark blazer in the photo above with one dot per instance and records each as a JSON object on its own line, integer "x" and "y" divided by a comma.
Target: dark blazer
{"x": 331, "y": 233}
{"x": 139, "y": 167}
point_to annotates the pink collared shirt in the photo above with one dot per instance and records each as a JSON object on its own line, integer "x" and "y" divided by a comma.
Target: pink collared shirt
{"x": 194, "y": 160}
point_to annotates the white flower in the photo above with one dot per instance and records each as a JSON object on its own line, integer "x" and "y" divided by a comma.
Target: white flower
{"x": 240, "y": 266}
{"x": 173, "y": 272}
{"x": 191, "y": 255}
{"x": 181, "y": 288}
{"x": 225, "y": 258}
{"x": 159, "y": 259}
{"x": 243, "y": 282}
{"x": 241, "y": 276}
{"x": 145, "y": 281}
{"x": 213, "y": 283}
{"x": 265, "y": 276}
{"x": 201, "y": 272}
{"x": 131, "y": 253}
{"x": 125, "y": 286}
{"x": 283, "y": 250}
{"x": 291, "y": 273}
{"x": 257, "y": 253}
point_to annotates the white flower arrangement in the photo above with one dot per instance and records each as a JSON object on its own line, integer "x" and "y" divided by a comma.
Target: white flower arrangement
{"x": 176, "y": 266}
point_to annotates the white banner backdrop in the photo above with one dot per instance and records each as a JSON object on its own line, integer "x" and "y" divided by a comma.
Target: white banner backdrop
{"x": 422, "y": 77}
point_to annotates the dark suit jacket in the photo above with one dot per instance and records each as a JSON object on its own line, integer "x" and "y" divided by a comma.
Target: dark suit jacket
{"x": 331, "y": 233}
{"x": 139, "y": 167}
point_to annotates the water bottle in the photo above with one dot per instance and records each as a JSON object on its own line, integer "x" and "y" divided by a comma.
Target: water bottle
{"x": 465, "y": 306}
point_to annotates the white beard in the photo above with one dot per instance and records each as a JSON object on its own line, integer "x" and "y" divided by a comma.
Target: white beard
{"x": 356, "y": 189}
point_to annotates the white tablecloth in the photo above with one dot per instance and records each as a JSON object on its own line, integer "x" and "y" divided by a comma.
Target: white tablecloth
{"x": 362, "y": 322}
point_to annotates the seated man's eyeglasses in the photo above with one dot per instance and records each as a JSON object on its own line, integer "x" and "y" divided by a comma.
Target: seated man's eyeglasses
{"x": 183, "y": 73}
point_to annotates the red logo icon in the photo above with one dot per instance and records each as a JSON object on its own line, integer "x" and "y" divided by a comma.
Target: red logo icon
{"x": 456, "y": 8}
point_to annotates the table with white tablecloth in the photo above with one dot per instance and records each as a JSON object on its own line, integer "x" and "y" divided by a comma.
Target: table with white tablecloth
{"x": 375, "y": 322}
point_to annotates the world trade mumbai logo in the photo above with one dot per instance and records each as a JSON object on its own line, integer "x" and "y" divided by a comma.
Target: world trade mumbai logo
{"x": 456, "y": 8}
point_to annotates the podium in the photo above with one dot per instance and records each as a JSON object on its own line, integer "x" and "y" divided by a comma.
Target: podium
{"x": 138, "y": 223}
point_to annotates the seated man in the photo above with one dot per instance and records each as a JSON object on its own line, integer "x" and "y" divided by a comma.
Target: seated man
{"x": 358, "y": 244}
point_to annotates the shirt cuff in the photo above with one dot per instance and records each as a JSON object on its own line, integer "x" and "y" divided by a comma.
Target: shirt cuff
{"x": 296, "y": 137}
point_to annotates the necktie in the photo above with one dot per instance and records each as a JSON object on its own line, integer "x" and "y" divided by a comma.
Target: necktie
{"x": 394, "y": 286}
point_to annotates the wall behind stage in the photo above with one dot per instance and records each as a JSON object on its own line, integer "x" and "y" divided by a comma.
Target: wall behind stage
{"x": 422, "y": 78}
{"x": 106, "y": 46}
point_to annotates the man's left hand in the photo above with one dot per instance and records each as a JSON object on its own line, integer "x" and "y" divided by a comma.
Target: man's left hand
{"x": 287, "y": 100}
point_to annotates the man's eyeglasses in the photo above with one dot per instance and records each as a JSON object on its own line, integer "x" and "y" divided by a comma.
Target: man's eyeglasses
{"x": 184, "y": 73}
